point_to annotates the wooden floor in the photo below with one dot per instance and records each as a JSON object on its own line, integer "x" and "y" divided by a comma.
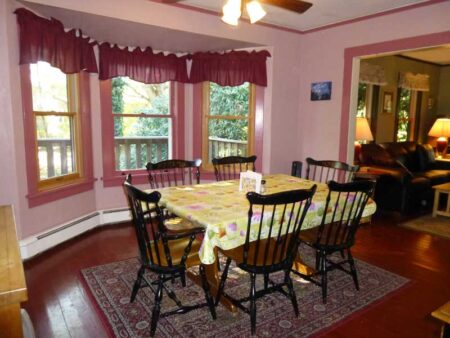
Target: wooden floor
{"x": 59, "y": 306}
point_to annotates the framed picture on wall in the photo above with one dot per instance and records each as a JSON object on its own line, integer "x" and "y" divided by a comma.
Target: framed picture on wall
{"x": 321, "y": 91}
{"x": 387, "y": 102}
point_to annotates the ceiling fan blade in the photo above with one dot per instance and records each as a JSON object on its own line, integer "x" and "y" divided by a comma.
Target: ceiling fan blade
{"x": 297, "y": 6}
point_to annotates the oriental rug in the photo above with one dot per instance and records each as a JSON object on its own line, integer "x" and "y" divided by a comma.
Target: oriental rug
{"x": 439, "y": 225}
{"x": 110, "y": 287}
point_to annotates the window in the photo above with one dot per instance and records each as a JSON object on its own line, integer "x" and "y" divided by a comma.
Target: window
{"x": 407, "y": 119}
{"x": 142, "y": 123}
{"x": 368, "y": 104}
{"x": 228, "y": 121}
{"x": 55, "y": 111}
{"x": 57, "y": 132}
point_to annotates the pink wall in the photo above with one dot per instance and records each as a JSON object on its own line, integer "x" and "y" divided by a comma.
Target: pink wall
{"x": 323, "y": 122}
{"x": 294, "y": 127}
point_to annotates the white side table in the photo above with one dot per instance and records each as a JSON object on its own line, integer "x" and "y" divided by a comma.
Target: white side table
{"x": 438, "y": 190}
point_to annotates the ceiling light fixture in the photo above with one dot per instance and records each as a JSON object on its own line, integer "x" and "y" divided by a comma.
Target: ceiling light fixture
{"x": 232, "y": 11}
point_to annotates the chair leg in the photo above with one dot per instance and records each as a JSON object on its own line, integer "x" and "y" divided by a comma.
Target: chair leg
{"x": 208, "y": 297}
{"x": 292, "y": 294}
{"x": 222, "y": 281}
{"x": 266, "y": 281}
{"x": 253, "y": 303}
{"x": 137, "y": 283}
{"x": 318, "y": 258}
{"x": 183, "y": 279}
{"x": 156, "y": 307}
{"x": 353, "y": 269}
{"x": 323, "y": 272}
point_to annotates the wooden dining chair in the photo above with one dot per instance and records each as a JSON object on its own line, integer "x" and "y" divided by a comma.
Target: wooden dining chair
{"x": 230, "y": 167}
{"x": 280, "y": 217}
{"x": 337, "y": 231}
{"x": 173, "y": 173}
{"x": 165, "y": 254}
{"x": 327, "y": 170}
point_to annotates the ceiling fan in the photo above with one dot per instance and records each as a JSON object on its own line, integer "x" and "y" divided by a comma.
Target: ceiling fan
{"x": 232, "y": 9}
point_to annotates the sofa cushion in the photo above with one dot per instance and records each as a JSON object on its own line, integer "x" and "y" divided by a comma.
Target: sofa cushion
{"x": 425, "y": 155}
{"x": 373, "y": 153}
{"x": 404, "y": 152}
{"x": 419, "y": 183}
{"x": 435, "y": 176}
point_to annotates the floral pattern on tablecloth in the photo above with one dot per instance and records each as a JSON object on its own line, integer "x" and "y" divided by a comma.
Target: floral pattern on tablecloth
{"x": 223, "y": 210}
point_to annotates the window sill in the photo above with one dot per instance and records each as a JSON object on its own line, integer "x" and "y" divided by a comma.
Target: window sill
{"x": 42, "y": 197}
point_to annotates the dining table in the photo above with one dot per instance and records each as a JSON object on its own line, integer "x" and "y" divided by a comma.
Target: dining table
{"x": 222, "y": 210}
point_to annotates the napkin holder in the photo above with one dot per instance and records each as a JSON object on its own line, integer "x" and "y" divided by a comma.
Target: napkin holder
{"x": 250, "y": 181}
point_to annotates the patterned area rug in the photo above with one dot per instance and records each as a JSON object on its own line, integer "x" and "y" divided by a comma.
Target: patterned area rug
{"x": 110, "y": 286}
{"x": 439, "y": 226}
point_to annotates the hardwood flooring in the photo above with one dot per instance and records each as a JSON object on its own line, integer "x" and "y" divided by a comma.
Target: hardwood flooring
{"x": 59, "y": 306}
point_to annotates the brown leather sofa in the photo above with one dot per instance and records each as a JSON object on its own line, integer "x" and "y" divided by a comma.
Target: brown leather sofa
{"x": 406, "y": 173}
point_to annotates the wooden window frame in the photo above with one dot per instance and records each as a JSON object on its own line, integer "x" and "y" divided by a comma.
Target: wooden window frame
{"x": 113, "y": 177}
{"x": 258, "y": 142}
{"x": 52, "y": 189}
{"x": 206, "y": 117}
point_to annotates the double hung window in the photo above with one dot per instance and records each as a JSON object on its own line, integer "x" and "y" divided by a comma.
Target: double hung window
{"x": 55, "y": 104}
{"x": 228, "y": 121}
{"x": 142, "y": 123}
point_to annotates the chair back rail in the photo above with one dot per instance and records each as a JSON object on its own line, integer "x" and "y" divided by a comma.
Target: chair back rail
{"x": 229, "y": 168}
{"x": 327, "y": 170}
{"x": 347, "y": 202}
{"x": 173, "y": 173}
{"x": 281, "y": 216}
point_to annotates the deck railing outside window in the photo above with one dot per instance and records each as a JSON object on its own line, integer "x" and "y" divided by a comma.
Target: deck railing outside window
{"x": 220, "y": 147}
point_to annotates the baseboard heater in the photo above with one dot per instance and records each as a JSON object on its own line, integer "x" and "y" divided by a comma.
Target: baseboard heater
{"x": 68, "y": 225}
{"x": 39, "y": 243}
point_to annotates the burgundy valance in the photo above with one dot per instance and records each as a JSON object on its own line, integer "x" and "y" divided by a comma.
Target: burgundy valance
{"x": 144, "y": 66}
{"x": 230, "y": 69}
{"x": 45, "y": 40}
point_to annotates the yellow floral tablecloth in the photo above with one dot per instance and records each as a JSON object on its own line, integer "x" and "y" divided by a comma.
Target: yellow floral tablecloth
{"x": 223, "y": 210}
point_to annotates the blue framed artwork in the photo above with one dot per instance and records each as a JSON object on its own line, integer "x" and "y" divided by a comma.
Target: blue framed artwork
{"x": 321, "y": 91}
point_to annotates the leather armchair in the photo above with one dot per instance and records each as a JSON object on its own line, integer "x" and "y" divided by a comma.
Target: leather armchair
{"x": 407, "y": 172}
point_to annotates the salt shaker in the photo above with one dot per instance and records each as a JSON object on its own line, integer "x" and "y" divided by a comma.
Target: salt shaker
{"x": 263, "y": 186}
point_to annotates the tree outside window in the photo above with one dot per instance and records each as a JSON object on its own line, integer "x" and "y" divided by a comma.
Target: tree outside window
{"x": 142, "y": 123}
{"x": 228, "y": 121}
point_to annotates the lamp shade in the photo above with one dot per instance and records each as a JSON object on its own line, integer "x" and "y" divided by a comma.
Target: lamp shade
{"x": 231, "y": 12}
{"x": 441, "y": 127}
{"x": 255, "y": 11}
{"x": 363, "y": 132}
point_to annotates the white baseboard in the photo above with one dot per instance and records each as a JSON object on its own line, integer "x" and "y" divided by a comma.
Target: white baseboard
{"x": 41, "y": 242}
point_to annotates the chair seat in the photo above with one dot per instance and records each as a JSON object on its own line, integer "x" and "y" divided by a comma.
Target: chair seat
{"x": 176, "y": 224}
{"x": 177, "y": 250}
{"x": 310, "y": 236}
{"x": 237, "y": 254}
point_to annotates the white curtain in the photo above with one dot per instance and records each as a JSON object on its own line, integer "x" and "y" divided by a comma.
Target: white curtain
{"x": 372, "y": 74}
{"x": 419, "y": 82}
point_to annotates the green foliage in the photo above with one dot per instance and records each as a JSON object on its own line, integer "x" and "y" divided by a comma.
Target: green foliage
{"x": 231, "y": 101}
{"x": 118, "y": 85}
{"x": 362, "y": 91}
{"x": 403, "y": 115}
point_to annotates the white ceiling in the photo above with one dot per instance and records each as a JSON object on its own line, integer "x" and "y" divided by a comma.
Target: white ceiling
{"x": 439, "y": 55}
{"x": 322, "y": 12}
{"x": 127, "y": 33}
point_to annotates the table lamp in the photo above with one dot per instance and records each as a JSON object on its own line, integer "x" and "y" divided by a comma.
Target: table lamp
{"x": 441, "y": 129}
{"x": 363, "y": 133}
